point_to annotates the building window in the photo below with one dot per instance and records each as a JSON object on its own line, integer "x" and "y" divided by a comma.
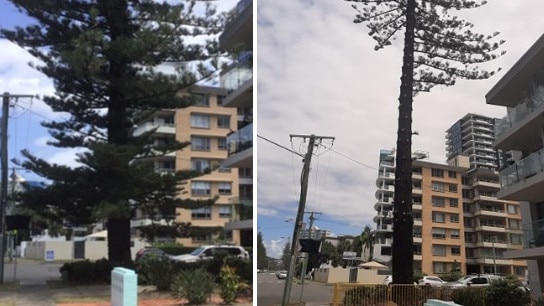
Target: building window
{"x": 225, "y": 211}
{"x": 225, "y": 188}
{"x": 201, "y": 213}
{"x": 200, "y": 121}
{"x": 223, "y": 122}
{"x": 452, "y": 174}
{"x": 200, "y": 165}
{"x": 200, "y": 143}
{"x": 454, "y": 233}
{"x": 512, "y": 209}
{"x": 438, "y": 201}
{"x": 222, "y": 143}
{"x": 454, "y": 218}
{"x": 417, "y": 249}
{"x": 220, "y": 100}
{"x": 439, "y": 250}
{"x": 200, "y": 239}
{"x": 438, "y": 217}
{"x": 200, "y": 189}
{"x": 439, "y": 233}
{"x": 245, "y": 172}
{"x": 456, "y": 251}
{"x": 202, "y": 100}
{"x": 515, "y": 239}
{"x": 417, "y": 232}
{"x": 437, "y": 186}
{"x": 437, "y": 172}
{"x": 452, "y": 188}
{"x": 454, "y": 202}
{"x": 514, "y": 224}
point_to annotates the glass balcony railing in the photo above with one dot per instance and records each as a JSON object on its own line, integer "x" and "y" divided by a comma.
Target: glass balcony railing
{"x": 239, "y": 72}
{"x": 240, "y": 140}
{"x": 534, "y": 236}
{"x": 527, "y": 167}
{"x": 520, "y": 112}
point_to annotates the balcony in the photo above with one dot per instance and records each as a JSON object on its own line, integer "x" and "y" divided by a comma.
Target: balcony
{"x": 240, "y": 148}
{"x": 161, "y": 128}
{"x": 524, "y": 180}
{"x": 237, "y": 79}
{"x": 239, "y": 28}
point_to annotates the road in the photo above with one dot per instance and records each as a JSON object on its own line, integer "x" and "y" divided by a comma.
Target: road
{"x": 29, "y": 272}
{"x": 270, "y": 291}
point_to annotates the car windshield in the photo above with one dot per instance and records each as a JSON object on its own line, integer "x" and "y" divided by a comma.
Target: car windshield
{"x": 197, "y": 251}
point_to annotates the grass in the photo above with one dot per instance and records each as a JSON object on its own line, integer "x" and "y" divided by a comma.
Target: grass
{"x": 9, "y": 286}
{"x": 7, "y": 303}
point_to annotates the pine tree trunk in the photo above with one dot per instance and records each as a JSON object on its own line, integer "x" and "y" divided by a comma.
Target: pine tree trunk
{"x": 403, "y": 253}
{"x": 119, "y": 241}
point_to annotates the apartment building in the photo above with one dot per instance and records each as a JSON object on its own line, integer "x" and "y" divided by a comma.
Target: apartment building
{"x": 492, "y": 225}
{"x": 437, "y": 210}
{"x": 521, "y": 91}
{"x": 205, "y": 125}
{"x": 237, "y": 80}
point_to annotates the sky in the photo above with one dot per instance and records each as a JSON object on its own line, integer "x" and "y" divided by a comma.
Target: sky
{"x": 18, "y": 78}
{"x": 318, "y": 73}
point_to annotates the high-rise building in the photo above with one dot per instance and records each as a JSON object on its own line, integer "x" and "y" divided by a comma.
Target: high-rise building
{"x": 237, "y": 79}
{"x": 521, "y": 91}
{"x": 492, "y": 225}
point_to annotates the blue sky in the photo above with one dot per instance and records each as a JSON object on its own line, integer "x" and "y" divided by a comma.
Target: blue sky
{"x": 318, "y": 73}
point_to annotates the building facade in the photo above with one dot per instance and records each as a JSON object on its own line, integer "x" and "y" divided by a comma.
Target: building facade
{"x": 437, "y": 210}
{"x": 237, "y": 80}
{"x": 492, "y": 225}
{"x": 205, "y": 126}
{"x": 521, "y": 91}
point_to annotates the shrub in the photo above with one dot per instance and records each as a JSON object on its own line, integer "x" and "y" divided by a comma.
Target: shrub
{"x": 365, "y": 295}
{"x": 230, "y": 283}
{"x": 505, "y": 292}
{"x": 194, "y": 285}
{"x": 243, "y": 267}
{"x": 157, "y": 271}
{"x": 451, "y": 276}
{"x": 469, "y": 296}
{"x": 87, "y": 272}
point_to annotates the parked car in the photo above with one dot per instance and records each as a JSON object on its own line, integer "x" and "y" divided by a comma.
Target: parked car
{"x": 151, "y": 251}
{"x": 206, "y": 252}
{"x": 432, "y": 281}
{"x": 474, "y": 280}
{"x": 281, "y": 274}
{"x": 388, "y": 280}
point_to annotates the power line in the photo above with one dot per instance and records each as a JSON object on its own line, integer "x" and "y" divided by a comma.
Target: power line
{"x": 277, "y": 144}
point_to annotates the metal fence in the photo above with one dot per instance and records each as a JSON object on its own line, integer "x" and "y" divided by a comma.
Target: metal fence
{"x": 349, "y": 294}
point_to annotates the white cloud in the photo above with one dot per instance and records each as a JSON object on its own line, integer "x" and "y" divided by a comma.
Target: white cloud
{"x": 318, "y": 74}
{"x": 266, "y": 211}
{"x": 274, "y": 248}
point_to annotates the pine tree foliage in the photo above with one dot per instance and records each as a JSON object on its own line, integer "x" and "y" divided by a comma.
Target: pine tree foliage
{"x": 445, "y": 47}
{"x": 438, "y": 49}
{"x": 262, "y": 259}
{"x": 113, "y": 62}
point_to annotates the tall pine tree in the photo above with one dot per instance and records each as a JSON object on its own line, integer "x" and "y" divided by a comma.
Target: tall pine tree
{"x": 112, "y": 62}
{"x": 438, "y": 49}
{"x": 262, "y": 259}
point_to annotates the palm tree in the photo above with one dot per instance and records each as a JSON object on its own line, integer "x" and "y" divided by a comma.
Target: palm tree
{"x": 367, "y": 238}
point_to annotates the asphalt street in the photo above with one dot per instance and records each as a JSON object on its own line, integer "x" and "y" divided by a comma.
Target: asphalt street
{"x": 270, "y": 291}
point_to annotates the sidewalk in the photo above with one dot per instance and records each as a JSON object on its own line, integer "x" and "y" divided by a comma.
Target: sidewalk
{"x": 93, "y": 295}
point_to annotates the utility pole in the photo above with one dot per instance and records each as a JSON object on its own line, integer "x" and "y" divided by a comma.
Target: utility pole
{"x": 4, "y": 175}
{"x": 300, "y": 213}
{"x": 306, "y": 258}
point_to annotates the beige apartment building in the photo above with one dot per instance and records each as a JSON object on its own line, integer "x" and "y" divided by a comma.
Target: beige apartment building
{"x": 206, "y": 126}
{"x": 458, "y": 222}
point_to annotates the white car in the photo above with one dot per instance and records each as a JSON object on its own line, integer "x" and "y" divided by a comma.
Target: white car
{"x": 281, "y": 274}
{"x": 389, "y": 279}
{"x": 474, "y": 280}
{"x": 431, "y": 281}
{"x": 206, "y": 252}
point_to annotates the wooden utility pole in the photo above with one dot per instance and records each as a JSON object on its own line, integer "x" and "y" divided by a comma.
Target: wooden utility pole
{"x": 302, "y": 203}
{"x": 4, "y": 175}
